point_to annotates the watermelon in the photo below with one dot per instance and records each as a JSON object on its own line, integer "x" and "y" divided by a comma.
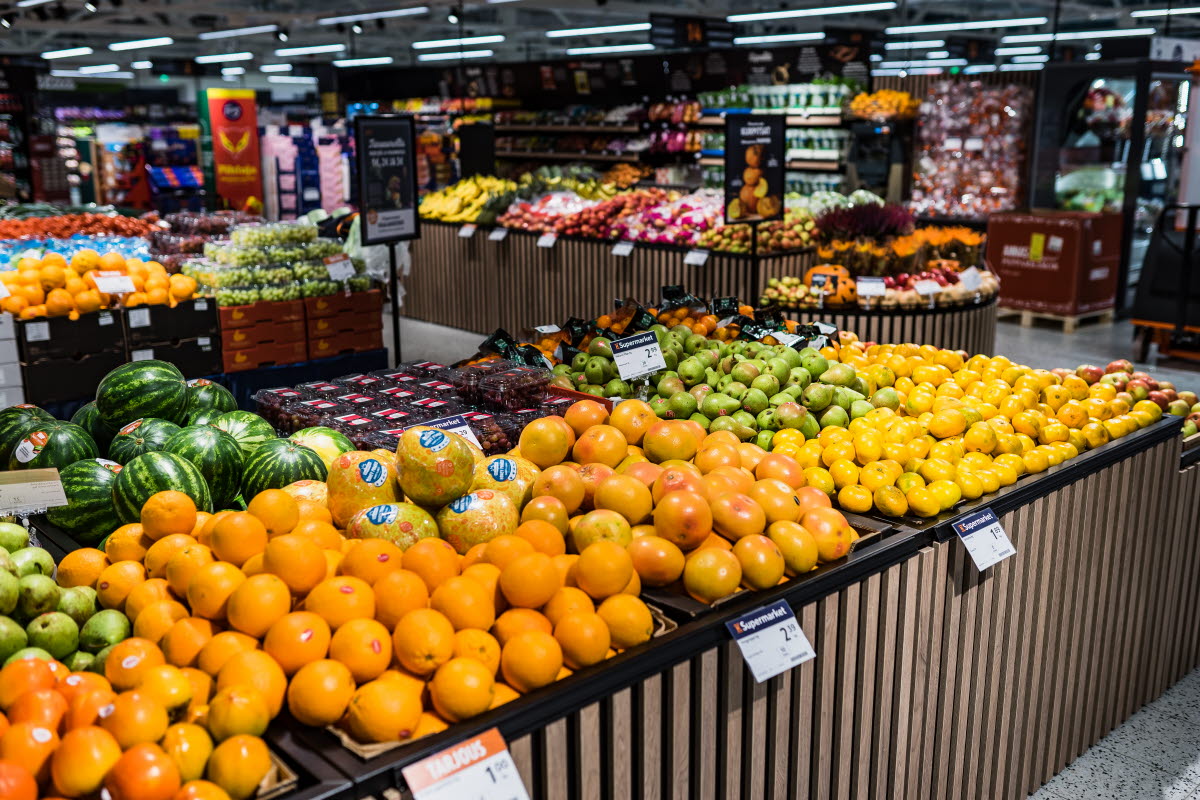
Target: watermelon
{"x": 142, "y": 389}
{"x": 88, "y": 418}
{"x": 52, "y": 444}
{"x": 326, "y": 442}
{"x": 202, "y": 416}
{"x": 216, "y": 455}
{"x": 279, "y": 463}
{"x": 203, "y": 393}
{"x": 140, "y": 436}
{"x": 154, "y": 472}
{"x": 15, "y": 422}
{"x": 250, "y": 431}
{"x": 89, "y": 515}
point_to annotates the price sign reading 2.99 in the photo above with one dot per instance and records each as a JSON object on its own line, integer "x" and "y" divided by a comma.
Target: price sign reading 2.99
{"x": 477, "y": 769}
{"x": 638, "y": 355}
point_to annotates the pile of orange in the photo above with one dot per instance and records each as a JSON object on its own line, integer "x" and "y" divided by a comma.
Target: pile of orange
{"x": 52, "y": 287}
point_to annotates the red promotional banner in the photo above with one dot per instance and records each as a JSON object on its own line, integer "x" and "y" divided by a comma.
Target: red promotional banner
{"x": 232, "y": 120}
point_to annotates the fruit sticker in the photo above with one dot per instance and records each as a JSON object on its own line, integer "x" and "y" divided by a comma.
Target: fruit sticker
{"x": 433, "y": 440}
{"x": 194, "y": 382}
{"x": 382, "y": 515}
{"x": 30, "y": 446}
{"x": 372, "y": 472}
{"x": 111, "y": 466}
{"x": 502, "y": 469}
{"x": 130, "y": 428}
{"x": 464, "y": 504}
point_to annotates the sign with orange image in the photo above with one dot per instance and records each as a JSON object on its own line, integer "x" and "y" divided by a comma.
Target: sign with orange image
{"x": 754, "y": 168}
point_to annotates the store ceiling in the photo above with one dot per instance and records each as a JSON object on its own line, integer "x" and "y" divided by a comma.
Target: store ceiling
{"x": 38, "y": 26}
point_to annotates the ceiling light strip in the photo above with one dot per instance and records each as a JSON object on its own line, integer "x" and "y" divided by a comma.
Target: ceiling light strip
{"x": 852, "y": 8}
{"x": 598, "y": 30}
{"x": 398, "y": 12}
{"x": 207, "y": 35}
{"x": 977, "y": 25}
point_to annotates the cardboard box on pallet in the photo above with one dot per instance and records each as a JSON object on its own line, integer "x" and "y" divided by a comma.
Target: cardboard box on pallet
{"x": 270, "y": 354}
{"x": 191, "y": 319}
{"x": 1055, "y": 262}
{"x": 195, "y": 358}
{"x": 285, "y": 332}
{"x": 265, "y": 311}
{"x": 62, "y": 379}
{"x": 344, "y": 342}
{"x": 62, "y": 337}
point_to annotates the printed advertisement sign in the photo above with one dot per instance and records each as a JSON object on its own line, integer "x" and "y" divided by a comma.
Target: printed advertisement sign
{"x": 754, "y": 166}
{"x": 387, "y": 179}
{"x": 229, "y": 135}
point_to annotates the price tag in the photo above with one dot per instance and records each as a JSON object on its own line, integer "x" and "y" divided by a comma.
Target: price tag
{"x": 477, "y": 768}
{"x": 927, "y": 288}
{"x": 953, "y": 143}
{"x": 871, "y": 287}
{"x": 466, "y": 231}
{"x": 974, "y": 143}
{"x": 339, "y": 267}
{"x": 146, "y": 354}
{"x": 200, "y": 304}
{"x": 104, "y": 318}
{"x": 547, "y": 240}
{"x": 456, "y": 424}
{"x": 4, "y": 291}
{"x": 622, "y": 248}
{"x": 984, "y": 538}
{"x": 204, "y": 342}
{"x": 721, "y": 323}
{"x": 696, "y": 258}
{"x": 497, "y": 234}
{"x": 112, "y": 282}
{"x": 546, "y": 330}
{"x": 971, "y": 279}
{"x": 788, "y": 339}
{"x": 638, "y": 355}
{"x": 37, "y": 332}
{"x": 28, "y": 491}
{"x": 139, "y": 318}
{"x": 771, "y": 640}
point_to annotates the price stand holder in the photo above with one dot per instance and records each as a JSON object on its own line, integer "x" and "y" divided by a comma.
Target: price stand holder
{"x": 984, "y": 537}
{"x": 32, "y": 491}
{"x": 339, "y": 267}
{"x": 498, "y": 234}
{"x": 971, "y": 279}
{"x": 466, "y": 231}
{"x": 622, "y": 249}
{"x": 638, "y": 355}
{"x": 480, "y": 767}
{"x": 112, "y": 282}
{"x": 696, "y": 258}
{"x": 547, "y": 240}
{"x": 771, "y": 640}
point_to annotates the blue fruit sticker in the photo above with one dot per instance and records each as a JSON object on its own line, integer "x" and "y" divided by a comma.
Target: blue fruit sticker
{"x": 463, "y": 504}
{"x": 382, "y": 515}
{"x": 502, "y": 469}
{"x": 372, "y": 472}
{"x": 432, "y": 440}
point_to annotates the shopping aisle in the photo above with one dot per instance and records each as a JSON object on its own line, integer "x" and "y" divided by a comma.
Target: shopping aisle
{"x": 1155, "y": 754}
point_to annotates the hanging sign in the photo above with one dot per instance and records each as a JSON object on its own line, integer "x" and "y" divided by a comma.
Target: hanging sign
{"x": 387, "y": 179}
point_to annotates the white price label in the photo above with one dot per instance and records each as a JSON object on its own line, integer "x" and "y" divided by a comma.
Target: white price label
{"x": 721, "y": 323}
{"x": 984, "y": 538}
{"x": 112, "y": 282}
{"x": 104, "y": 318}
{"x": 971, "y": 279}
{"x": 142, "y": 355}
{"x": 200, "y": 304}
{"x": 37, "y": 332}
{"x": 30, "y": 490}
{"x": 139, "y": 318}
{"x": 466, "y": 231}
{"x": 339, "y": 267}
{"x": 788, "y": 339}
{"x": 696, "y": 258}
{"x": 480, "y": 767}
{"x": 974, "y": 143}
{"x": 622, "y": 248}
{"x": 638, "y": 355}
{"x": 456, "y": 424}
{"x": 547, "y": 240}
{"x": 953, "y": 143}
{"x": 771, "y": 640}
{"x": 871, "y": 287}
{"x": 926, "y": 288}
{"x": 546, "y": 330}
{"x": 497, "y": 234}
{"x": 204, "y": 341}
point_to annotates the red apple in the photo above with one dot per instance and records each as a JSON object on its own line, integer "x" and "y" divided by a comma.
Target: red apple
{"x": 1138, "y": 388}
{"x": 1120, "y": 365}
{"x": 1089, "y": 372}
{"x": 1159, "y": 399}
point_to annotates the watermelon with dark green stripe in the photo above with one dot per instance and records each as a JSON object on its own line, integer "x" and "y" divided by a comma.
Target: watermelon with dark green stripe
{"x": 151, "y": 473}
{"x": 88, "y": 418}
{"x": 249, "y": 430}
{"x": 277, "y": 463}
{"x": 142, "y": 389}
{"x": 140, "y": 436}
{"x": 89, "y": 515}
{"x": 216, "y": 455}
{"x": 204, "y": 394}
{"x": 52, "y": 444}
{"x": 15, "y": 422}
{"x": 202, "y": 416}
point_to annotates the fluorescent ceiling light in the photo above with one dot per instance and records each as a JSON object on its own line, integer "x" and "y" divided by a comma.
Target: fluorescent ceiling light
{"x": 938, "y": 54}
{"x": 633, "y": 26}
{"x": 399, "y": 12}
{"x": 497, "y": 2}
{"x": 310, "y": 50}
{"x": 74, "y": 73}
{"x": 222, "y": 58}
{"x": 1074, "y": 36}
{"x": 290, "y": 79}
{"x": 945, "y": 62}
{"x": 233, "y": 70}
{"x": 1091, "y": 57}
{"x": 876, "y": 57}
{"x": 924, "y": 44}
{"x": 976, "y": 25}
{"x": 138, "y": 44}
{"x": 779, "y": 37}
{"x": 69, "y": 53}
{"x": 362, "y": 62}
{"x": 903, "y": 72}
{"x": 1020, "y": 67}
{"x": 431, "y": 44}
{"x": 612, "y": 48}
{"x": 853, "y": 8}
{"x": 96, "y": 69}
{"x": 1030, "y": 59}
{"x": 31, "y": 3}
{"x": 455, "y": 55}
{"x": 276, "y": 68}
{"x": 1165, "y": 12}
{"x": 975, "y": 69}
{"x": 237, "y": 32}
{"x": 1018, "y": 51}
{"x": 142, "y": 65}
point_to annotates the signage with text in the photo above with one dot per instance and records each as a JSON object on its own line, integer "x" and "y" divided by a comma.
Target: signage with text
{"x": 754, "y": 167}
{"x": 387, "y": 179}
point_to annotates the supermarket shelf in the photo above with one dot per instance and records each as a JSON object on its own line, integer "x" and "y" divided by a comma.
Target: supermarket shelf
{"x": 568, "y": 128}
{"x": 792, "y": 120}
{"x": 566, "y": 156}
{"x": 819, "y": 166}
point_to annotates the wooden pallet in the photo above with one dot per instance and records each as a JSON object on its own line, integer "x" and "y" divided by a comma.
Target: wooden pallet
{"x": 1069, "y": 323}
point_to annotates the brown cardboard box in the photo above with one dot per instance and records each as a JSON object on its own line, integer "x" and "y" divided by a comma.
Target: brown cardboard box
{"x": 265, "y": 355}
{"x": 344, "y": 342}
{"x": 265, "y": 311}
{"x": 366, "y": 305}
{"x": 282, "y": 332}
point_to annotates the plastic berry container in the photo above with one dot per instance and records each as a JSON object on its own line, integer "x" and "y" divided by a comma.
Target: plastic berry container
{"x": 356, "y": 399}
{"x": 521, "y": 387}
{"x": 493, "y": 438}
{"x": 399, "y": 394}
{"x": 466, "y": 380}
{"x": 320, "y": 388}
{"x": 395, "y": 376}
{"x": 383, "y": 439}
{"x": 270, "y": 403}
{"x": 355, "y": 425}
{"x": 438, "y": 406}
{"x": 358, "y": 381}
{"x": 309, "y": 413}
{"x": 423, "y": 369}
{"x": 557, "y": 404}
{"x": 436, "y": 388}
{"x": 396, "y": 414}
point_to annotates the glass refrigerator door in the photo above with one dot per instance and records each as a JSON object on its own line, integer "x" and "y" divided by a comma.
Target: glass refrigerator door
{"x": 1093, "y": 157}
{"x": 1159, "y": 162}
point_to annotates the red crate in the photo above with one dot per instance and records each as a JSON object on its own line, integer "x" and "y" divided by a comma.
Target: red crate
{"x": 265, "y": 355}
{"x": 344, "y": 342}
{"x": 364, "y": 305}
{"x": 265, "y": 311}
{"x": 263, "y": 333}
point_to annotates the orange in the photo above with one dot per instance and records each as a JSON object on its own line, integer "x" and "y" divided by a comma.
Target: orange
{"x": 209, "y": 590}
{"x": 181, "y": 645}
{"x": 81, "y": 567}
{"x": 830, "y": 531}
{"x": 297, "y": 560}
{"x": 201, "y": 790}
{"x": 320, "y": 693}
{"x": 237, "y": 537}
{"x": 565, "y": 564}
{"x": 379, "y": 713}
{"x": 182, "y": 567}
{"x": 257, "y": 603}
{"x": 161, "y": 551}
{"x": 530, "y": 660}
{"x": 155, "y": 590}
{"x": 167, "y": 513}
{"x": 189, "y": 746}
{"x": 371, "y": 559}
{"x": 17, "y": 783}
{"x": 313, "y": 511}
{"x": 567, "y": 600}
{"x": 397, "y": 593}
{"x": 628, "y": 619}
{"x": 340, "y": 599}
{"x": 144, "y": 772}
{"x": 488, "y": 576}
{"x": 600, "y": 444}
{"x": 85, "y": 707}
{"x": 462, "y": 688}
{"x": 479, "y": 645}
{"x": 519, "y": 620}
{"x": 320, "y": 531}
{"x": 545, "y": 442}
{"x": 465, "y": 603}
{"x": 547, "y": 509}
{"x": 604, "y": 568}
{"x": 204, "y": 534}
{"x": 423, "y": 641}
{"x": 220, "y": 648}
{"x": 627, "y": 496}
{"x": 83, "y": 758}
{"x": 544, "y": 536}
{"x": 683, "y": 518}
{"x": 128, "y": 661}
{"x": 158, "y": 618}
{"x": 168, "y": 686}
{"x": 238, "y": 709}
{"x": 77, "y": 683}
{"x": 238, "y": 765}
{"x": 529, "y": 581}
{"x": 364, "y": 646}
{"x": 31, "y": 746}
{"x": 762, "y": 561}
{"x": 296, "y": 639}
{"x": 561, "y": 483}
{"x": 717, "y": 455}
{"x": 276, "y": 510}
{"x": 433, "y": 559}
{"x": 656, "y": 561}
{"x": 736, "y": 515}
{"x": 711, "y": 573}
{"x": 584, "y": 638}
{"x": 201, "y": 683}
{"x": 592, "y": 476}
{"x": 504, "y": 694}
{"x": 505, "y": 548}
{"x": 116, "y": 581}
{"x": 632, "y": 418}
{"x": 584, "y": 414}
{"x": 44, "y": 707}
{"x": 135, "y": 718}
{"x": 256, "y": 669}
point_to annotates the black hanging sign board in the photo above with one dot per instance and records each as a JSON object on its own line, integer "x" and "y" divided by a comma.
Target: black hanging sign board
{"x": 387, "y": 179}
{"x": 477, "y": 149}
